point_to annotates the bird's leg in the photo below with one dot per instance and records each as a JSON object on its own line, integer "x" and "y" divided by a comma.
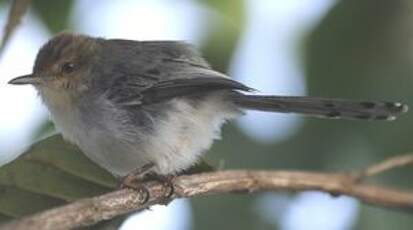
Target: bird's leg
{"x": 135, "y": 179}
{"x": 137, "y": 176}
{"x": 143, "y": 174}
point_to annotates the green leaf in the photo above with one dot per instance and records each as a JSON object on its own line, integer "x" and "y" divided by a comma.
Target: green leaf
{"x": 4, "y": 218}
{"x": 51, "y": 173}
{"x": 17, "y": 202}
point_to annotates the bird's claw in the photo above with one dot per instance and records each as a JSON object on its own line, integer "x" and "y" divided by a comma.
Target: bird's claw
{"x": 166, "y": 181}
{"x": 135, "y": 180}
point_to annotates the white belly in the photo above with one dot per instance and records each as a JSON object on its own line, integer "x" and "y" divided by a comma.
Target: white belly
{"x": 188, "y": 133}
{"x": 176, "y": 144}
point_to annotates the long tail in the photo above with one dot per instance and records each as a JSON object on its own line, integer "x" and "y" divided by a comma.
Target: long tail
{"x": 322, "y": 107}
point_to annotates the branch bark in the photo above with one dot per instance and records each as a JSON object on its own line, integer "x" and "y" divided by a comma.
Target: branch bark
{"x": 90, "y": 211}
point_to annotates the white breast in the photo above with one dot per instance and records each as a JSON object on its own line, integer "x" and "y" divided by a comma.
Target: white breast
{"x": 178, "y": 141}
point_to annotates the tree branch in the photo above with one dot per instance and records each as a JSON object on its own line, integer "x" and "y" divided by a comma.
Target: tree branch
{"x": 90, "y": 211}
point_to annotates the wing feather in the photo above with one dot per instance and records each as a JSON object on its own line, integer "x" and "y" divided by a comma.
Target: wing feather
{"x": 159, "y": 70}
{"x": 169, "y": 89}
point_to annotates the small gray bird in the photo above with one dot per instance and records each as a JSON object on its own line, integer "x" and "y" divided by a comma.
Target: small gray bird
{"x": 127, "y": 104}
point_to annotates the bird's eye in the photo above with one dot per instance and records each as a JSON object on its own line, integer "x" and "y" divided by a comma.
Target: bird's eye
{"x": 68, "y": 67}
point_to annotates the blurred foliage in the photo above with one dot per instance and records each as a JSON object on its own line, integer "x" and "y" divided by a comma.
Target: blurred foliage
{"x": 17, "y": 10}
{"x": 231, "y": 8}
{"x": 360, "y": 49}
{"x": 52, "y": 172}
{"x": 45, "y": 129}
{"x": 54, "y": 14}
{"x": 223, "y": 32}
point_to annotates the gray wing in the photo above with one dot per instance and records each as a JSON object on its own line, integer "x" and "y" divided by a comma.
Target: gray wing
{"x": 165, "y": 90}
{"x": 157, "y": 58}
{"x": 153, "y": 71}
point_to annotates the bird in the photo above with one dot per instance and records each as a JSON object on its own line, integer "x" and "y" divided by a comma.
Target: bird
{"x": 128, "y": 104}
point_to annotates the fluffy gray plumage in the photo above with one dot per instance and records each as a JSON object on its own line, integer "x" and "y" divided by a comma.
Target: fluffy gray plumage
{"x": 129, "y": 103}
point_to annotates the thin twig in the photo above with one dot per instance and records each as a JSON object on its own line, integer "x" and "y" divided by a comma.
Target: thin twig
{"x": 90, "y": 211}
{"x": 384, "y": 166}
{"x": 17, "y": 10}
{"x": 392, "y": 163}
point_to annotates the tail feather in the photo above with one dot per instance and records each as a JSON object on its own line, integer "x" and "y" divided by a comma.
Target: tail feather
{"x": 322, "y": 107}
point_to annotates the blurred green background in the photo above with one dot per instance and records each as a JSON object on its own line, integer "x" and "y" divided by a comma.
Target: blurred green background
{"x": 358, "y": 49}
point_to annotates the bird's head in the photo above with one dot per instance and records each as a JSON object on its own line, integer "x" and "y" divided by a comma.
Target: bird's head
{"x": 63, "y": 65}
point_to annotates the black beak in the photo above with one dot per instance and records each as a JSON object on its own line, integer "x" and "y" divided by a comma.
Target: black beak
{"x": 26, "y": 79}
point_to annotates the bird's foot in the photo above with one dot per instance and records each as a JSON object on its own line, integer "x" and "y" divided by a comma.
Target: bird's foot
{"x": 136, "y": 178}
{"x": 166, "y": 180}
